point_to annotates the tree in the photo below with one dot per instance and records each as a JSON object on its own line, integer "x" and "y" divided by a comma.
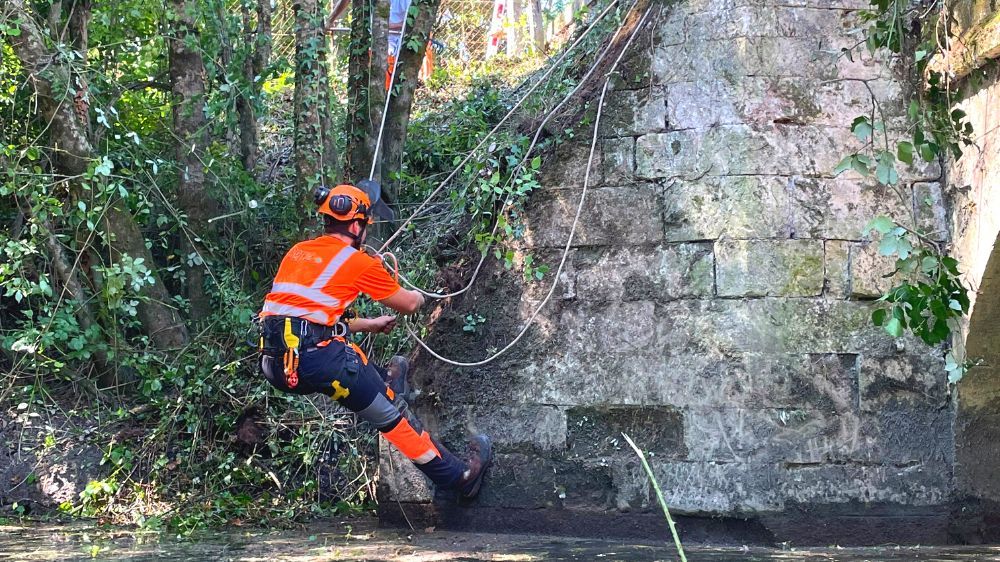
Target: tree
{"x": 365, "y": 85}
{"x": 315, "y": 156}
{"x": 71, "y": 155}
{"x": 420, "y": 21}
{"x": 187, "y": 84}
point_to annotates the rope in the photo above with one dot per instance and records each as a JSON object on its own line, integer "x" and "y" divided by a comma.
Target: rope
{"x": 520, "y": 166}
{"x": 572, "y": 231}
{"x": 469, "y": 156}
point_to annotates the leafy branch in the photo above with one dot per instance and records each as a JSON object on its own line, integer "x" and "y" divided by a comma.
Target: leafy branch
{"x": 932, "y": 300}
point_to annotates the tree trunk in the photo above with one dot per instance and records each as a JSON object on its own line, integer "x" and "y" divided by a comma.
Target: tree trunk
{"x": 515, "y": 46}
{"x": 315, "y": 159}
{"x": 366, "y": 78}
{"x": 187, "y": 84}
{"x": 262, "y": 42}
{"x": 537, "y": 25}
{"x": 71, "y": 155}
{"x": 418, "y": 30}
{"x": 245, "y": 99}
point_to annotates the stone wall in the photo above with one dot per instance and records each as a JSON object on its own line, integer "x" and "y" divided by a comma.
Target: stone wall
{"x": 974, "y": 183}
{"x": 715, "y": 307}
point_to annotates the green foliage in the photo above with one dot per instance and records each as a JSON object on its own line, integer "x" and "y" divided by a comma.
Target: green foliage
{"x": 472, "y": 321}
{"x": 932, "y": 302}
{"x": 178, "y": 465}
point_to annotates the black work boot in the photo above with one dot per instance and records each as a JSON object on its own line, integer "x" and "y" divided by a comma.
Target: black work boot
{"x": 479, "y": 455}
{"x": 398, "y": 377}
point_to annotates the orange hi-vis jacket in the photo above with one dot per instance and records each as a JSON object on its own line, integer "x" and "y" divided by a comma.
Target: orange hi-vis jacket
{"x": 319, "y": 278}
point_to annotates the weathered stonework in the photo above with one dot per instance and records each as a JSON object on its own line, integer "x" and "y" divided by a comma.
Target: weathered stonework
{"x": 716, "y": 304}
{"x": 972, "y": 188}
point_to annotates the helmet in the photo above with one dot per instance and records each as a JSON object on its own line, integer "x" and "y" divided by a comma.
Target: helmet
{"x": 343, "y": 203}
{"x": 349, "y": 203}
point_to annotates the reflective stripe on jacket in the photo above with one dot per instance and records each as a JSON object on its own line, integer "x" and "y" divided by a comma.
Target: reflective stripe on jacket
{"x": 319, "y": 278}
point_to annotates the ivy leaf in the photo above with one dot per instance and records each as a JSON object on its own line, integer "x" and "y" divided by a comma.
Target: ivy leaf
{"x": 894, "y": 327}
{"x": 536, "y": 162}
{"x": 862, "y": 128}
{"x": 846, "y": 164}
{"x": 885, "y": 171}
{"x": 104, "y": 168}
{"x": 928, "y": 151}
{"x": 878, "y": 316}
{"x": 882, "y": 224}
{"x": 904, "y": 151}
{"x": 861, "y": 164}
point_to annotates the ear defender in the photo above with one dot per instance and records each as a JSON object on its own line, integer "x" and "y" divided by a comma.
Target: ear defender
{"x": 320, "y": 194}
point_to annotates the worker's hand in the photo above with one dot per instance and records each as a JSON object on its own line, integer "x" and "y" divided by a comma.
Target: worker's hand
{"x": 383, "y": 324}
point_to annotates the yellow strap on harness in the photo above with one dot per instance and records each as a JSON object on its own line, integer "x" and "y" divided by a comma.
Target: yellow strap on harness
{"x": 291, "y": 358}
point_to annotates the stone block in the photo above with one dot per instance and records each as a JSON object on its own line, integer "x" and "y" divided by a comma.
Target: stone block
{"x": 763, "y": 102}
{"x": 872, "y": 274}
{"x": 698, "y": 488}
{"x": 909, "y": 378}
{"x": 567, "y": 166}
{"x": 837, "y": 261}
{"x": 793, "y": 326}
{"x": 690, "y": 352}
{"x": 790, "y": 56}
{"x": 702, "y": 104}
{"x": 618, "y": 160}
{"x": 908, "y": 434}
{"x": 930, "y": 209}
{"x": 841, "y": 208}
{"x": 916, "y": 484}
{"x": 773, "y": 435}
{"x": 659, "y": 274}
{"x": 813, "y": 101}
{"x": 815, "y": 22}
{"x": 740, "y": 150}
{"x": 596, "y": 431}
{"x": 609, "y": 217}
{"x": 735, "y": 207}
{"x": 633, "y": 113}
{"x": 599, "y": 328}
{"x": 533, "y": 482}
{"x": 538, "y": 428}
{"x": 788, "y": 268}
{"x": 400, "y": 480}
{"x": 743, "y": 21}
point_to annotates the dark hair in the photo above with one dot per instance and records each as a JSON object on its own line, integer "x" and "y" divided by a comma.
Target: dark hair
{"x": 334, "y": 226}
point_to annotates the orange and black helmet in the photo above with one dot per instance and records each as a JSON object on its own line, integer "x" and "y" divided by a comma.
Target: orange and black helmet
{"x": 344, "y": 203}
{"x": 349, "y": 203}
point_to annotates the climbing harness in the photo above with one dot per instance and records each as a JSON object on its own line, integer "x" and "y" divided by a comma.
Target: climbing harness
{"x": 288, "y": 336}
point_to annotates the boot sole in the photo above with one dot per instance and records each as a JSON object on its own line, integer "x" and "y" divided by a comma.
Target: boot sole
{"x": 487, "y": 446}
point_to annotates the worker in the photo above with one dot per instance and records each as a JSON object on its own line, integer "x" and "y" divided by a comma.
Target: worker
{"x": 306, "y": 347}
{"x": 397, "y": 15}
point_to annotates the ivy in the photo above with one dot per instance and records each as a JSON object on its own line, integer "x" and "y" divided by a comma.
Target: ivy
{"x": 932, "y": 300}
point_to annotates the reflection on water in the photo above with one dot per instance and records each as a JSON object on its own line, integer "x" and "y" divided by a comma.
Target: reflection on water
{"x": 361, "y": 540}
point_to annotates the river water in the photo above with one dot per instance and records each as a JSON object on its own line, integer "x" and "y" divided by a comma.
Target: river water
{"x": 362, "y": 540}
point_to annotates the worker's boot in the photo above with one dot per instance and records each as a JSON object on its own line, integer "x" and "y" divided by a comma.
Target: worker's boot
{"x": 479, "y": 456}
{"x": 398, "y": 377}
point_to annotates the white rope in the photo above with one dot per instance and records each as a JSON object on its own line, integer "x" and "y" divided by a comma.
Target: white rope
{"x": 572, "y": 231}
{"x": 469, "y": 156}
{"x": 388, "y": 93}
{"x": 520, "y": 166}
